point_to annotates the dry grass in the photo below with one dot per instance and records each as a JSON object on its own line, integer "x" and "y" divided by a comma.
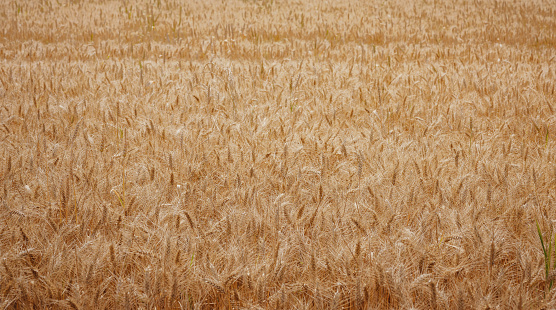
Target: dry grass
{"x": 269, "y": 154}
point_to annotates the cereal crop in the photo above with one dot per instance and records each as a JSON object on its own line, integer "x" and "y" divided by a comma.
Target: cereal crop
{"x": 266, "y": 154}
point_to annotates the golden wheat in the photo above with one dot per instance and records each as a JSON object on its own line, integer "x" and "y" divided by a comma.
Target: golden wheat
{"x": 267, "y": 154}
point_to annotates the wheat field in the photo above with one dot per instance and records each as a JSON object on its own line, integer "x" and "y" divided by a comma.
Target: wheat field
{"x": 277, "y": 154}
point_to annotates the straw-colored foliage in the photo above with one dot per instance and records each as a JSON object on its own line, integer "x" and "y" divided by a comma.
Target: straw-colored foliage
{"x": 277, "y": 154}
